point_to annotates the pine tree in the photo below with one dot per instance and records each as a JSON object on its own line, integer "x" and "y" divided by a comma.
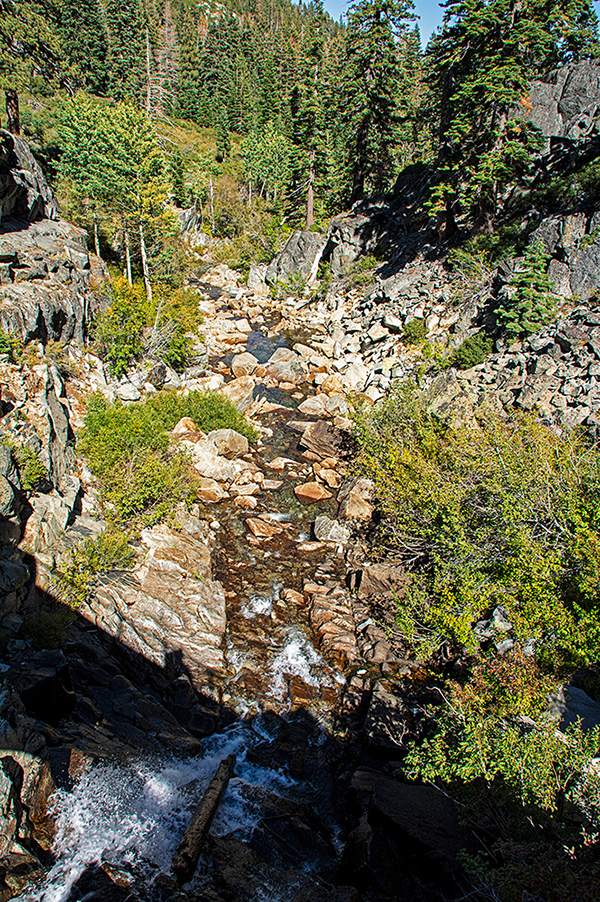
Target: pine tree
{"x": 372, "y": 64}
{"x": 29, "y": 53}
{"x": 481, "y": 65}
{"x": 126, "y": 34}
{"x": 83, "y": 36}
{"x": 308, "y": 113}
{"x": 530, "y": 302}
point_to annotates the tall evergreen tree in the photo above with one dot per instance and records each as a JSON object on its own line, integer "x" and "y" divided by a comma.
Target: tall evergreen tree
{"x": 126, "y": 30}
{"x": 371, "y": 84}
{"x": 81, "y": 28}
{"x": 481, "y": 65}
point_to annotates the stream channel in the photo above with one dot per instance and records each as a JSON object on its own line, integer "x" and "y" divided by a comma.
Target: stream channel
{"x": 276, "y": 834}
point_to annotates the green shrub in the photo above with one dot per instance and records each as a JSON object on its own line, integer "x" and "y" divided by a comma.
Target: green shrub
{"x": 75, "y": 581}
{"x": 502, "y": 514}
{"x": 32, "y": 471}
{"x": 141, "y": 477}
{"x": 130, "y": 327}
{"x": 501, "y": 517}
{"x": 10, "y": 347}
{"x": 473, "y": 351}
{"x": 415, "y": 331}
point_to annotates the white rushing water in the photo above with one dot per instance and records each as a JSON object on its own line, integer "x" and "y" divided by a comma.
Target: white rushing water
{"x": 133, "y": 816}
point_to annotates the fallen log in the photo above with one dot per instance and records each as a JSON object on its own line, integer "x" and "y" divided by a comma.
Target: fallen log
{"x": 185, "y": 860}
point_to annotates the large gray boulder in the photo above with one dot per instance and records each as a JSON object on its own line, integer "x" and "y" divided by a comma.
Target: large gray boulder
{"x": 301, "y": 255}
{"x": 566, "y": 105}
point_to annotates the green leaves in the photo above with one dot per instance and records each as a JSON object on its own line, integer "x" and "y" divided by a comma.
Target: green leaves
{"x": 480, "y": 68}
{"x": 267, "y": 157}
{"x": 530, "y": 303}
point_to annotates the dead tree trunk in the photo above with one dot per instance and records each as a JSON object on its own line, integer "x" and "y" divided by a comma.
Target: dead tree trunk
{"x": 145, "y": 267}
{"x": 13, "y": 116}
{"x": 127, "y": 254}
{"x": 185, "y": 860}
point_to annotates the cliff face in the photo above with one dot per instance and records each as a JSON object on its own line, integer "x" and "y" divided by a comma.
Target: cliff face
{"x": 45, "y": 268}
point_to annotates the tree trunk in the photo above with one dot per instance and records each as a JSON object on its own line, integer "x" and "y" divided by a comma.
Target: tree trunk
{"x": 145, "y": 268}
{"x": 13, "y": 117}
{"x": 127, "y": 255}
{"x": 360, "y": 162}
{"x": 212, "y": 207}
{"x": 310, "y": 196}
{"x": 96, "y": 239}
{"x": 185, "y": 860}
{"x": 148, "y": 76}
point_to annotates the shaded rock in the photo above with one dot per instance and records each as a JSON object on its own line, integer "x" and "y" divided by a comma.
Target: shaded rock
{"x": 327, "y": 440}
{"x": 24, "y": 191}
{"x": 8, "y": 499}
{"x": 446, "y": 400}
{"x": 157, "y": 375}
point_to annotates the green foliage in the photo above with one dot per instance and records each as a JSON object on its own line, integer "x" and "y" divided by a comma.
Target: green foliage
{"x": 123, "y": 332}
{"x": 74, "y": 581}
{"x": 530, "y": 303}
{"x": 414, "y": 331}
{"x": 32, "y": 471}
{"x": 498, "y": 525}
{"x": 473, "y": 351}
{"x": 266, "y": 154}
{"x": 481, "y": 64}
{"x": 141, "y": 476}
{"x": 505, "y": 513}
{"x": 10, "y": 346}
{"x": 117, "y": 328}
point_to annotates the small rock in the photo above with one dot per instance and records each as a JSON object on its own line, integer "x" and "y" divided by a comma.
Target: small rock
{"x": 185, "y": 424}
{"x": 228, "y": 442}
{"x": 263, "y": 529}
{"x": 311, "y": 492}
{"x": 327, "y": 530}
{"x": 240, "y": 392}
{"x": 209, "y": 490}
{"x": 244, "y": 364}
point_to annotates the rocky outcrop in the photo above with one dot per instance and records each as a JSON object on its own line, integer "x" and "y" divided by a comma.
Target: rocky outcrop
{"x": 168, "y": 609}
{"x": 556, "y": 372}
{"x": 565, "y": 105}
{"x": 24, "y": 192}
{"x": 300, "y": 255}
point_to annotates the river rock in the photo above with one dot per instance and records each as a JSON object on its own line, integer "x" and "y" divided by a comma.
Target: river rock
{"x": 185, "y": 424}
{"x": 314, "y": 407}
{"x": 240, "y": 392}
{"x": 228, "y": 442}
{"x": 263, "y": 529}
{"x": 355, "y": 499}
{"x": 327, "y": 440}
{"x": 311, "y": 492}
{"x": 243, "y": 364}
{"x": 327, "y": 530}
{"x": 209, "y": 490}
{"x": 208, "y": 463}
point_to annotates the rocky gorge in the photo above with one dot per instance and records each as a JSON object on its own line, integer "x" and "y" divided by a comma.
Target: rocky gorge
{"x": 248, "y": 623}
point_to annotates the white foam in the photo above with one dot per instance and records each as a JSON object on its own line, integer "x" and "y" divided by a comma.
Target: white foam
{"x": 133, "y": 816}
{"x": 297, "y": 658}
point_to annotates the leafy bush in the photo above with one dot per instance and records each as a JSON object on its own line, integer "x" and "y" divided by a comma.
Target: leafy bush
{"x": 503, "y": 514}
{"x": 140, "y": 476}
{"x": 473, "y": 351}
{"x": 10, "y": 346}
{"x": 32, "y": 472}
{"x": 530, "y": 303}
{"x": 497, "y": 524}
{"x": 415, "y": 331}
{"x": 130, "y": 327}
{"x": 75, "y": 581}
